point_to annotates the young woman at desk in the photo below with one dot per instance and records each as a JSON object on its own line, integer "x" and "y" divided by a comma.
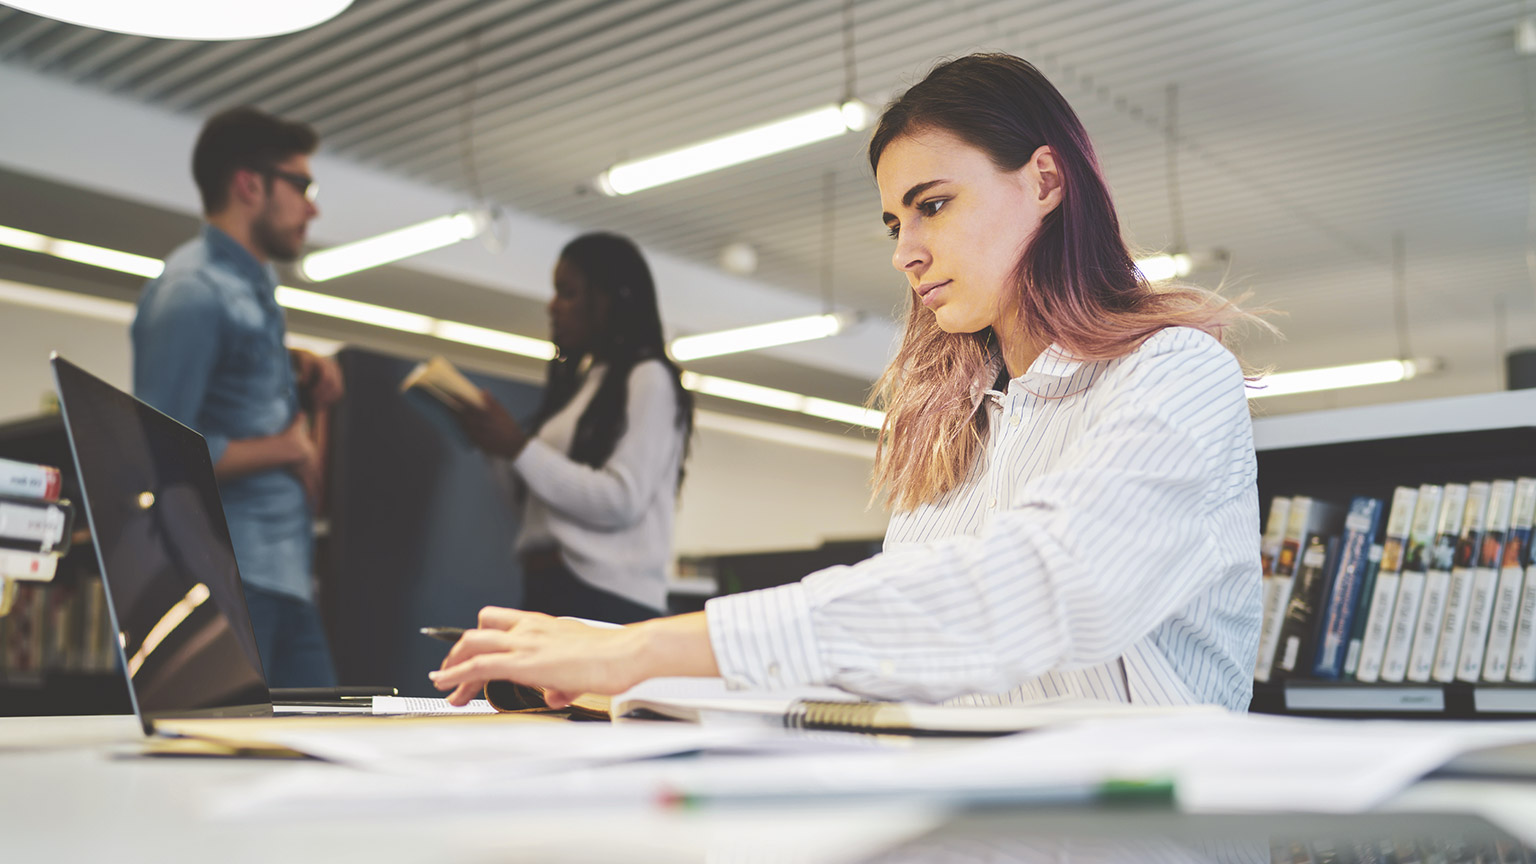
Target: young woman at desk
{"x": 598, "y": 477}
{"x": 1067, "y": 449}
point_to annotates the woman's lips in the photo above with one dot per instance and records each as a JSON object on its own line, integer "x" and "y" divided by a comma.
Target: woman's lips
{"x": 928, "y": 292}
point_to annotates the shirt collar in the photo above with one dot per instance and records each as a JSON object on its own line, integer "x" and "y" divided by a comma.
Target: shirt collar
{"x": 228, "y": 250}
{"x": 1054, "y": 362}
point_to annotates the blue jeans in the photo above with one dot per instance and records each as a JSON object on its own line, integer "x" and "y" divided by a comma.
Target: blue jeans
{"x": 291, "y": 640}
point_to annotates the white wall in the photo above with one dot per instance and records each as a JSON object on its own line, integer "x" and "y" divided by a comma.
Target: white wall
{"x": 743, "y": 494}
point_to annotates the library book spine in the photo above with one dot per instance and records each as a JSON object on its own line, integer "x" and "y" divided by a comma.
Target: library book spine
{"x": 1269, "y": 553}
{"x": 1437, "y": 583}
{"x": 1506, "y": 605}
{"x": 1357, "y": 628}
{"x": 1344, "y": 595}
{"x": 1410, "y": 588}
{"x": 1377, "y": 625}
{"x": 1463, "y": 572}
{"x": 26, "y": 480}
{"x": 1298, "y": 635}
{"x": 1278, "y": 596}
{"x": 1474, "y": 640}
{"x": 35, "y": 525}
{"x": 1522, "y": 653}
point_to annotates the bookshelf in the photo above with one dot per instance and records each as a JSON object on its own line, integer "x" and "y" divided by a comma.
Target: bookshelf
{"x": 1338, "y": 454}
{"x": 66, "y": 670}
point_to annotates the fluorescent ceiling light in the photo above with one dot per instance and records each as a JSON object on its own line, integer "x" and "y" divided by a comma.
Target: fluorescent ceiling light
{"x": 829, "y": 121}
{"x": 784, "y": 400}
{"x": 1161, "y": 268}
{"x": 757, "y": 336}
{"x": 83, "y": 253}
{"x": 68, "y": 302}
{"x": 497, "y": 340}
{"x": 393, "y": 245}
{"x": 778, "y": 433}
{"x": 190, "y": 19}
{"x": 1340, "y": 377}
{"x": 353, "y": 310}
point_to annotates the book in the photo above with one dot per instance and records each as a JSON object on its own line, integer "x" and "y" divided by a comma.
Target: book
{"x": 1269, "y": 552}
{"x": 1506, "y": 602}
{"x": 1410, "y": 586}
{"x": 1437, "y": 583}
{"x": 1362, "y": 610}
{"x": 1378, "y": 624}
{"x": 1485, "y": 581}
{"x": 1463, "y": 569}
{"x": 1308, "y": 518}
{"x": 28, "y": 566}
{"x": 1298, "y": 633}
{"x": 441, "y": 380}
{"x": 35, "y": 525}
{"x": 26, "y": 480}
{"x": 1345, "y": 591}
{"x": 1522, "y": 652}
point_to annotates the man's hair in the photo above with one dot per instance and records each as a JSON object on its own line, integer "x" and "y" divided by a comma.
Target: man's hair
{"x": 247, "y": 138}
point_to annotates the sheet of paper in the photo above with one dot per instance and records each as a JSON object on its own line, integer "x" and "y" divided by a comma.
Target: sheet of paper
{"x": 427, "y": 705}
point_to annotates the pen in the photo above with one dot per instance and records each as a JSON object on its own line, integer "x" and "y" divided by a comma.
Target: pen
{"x": 447, "y": 634}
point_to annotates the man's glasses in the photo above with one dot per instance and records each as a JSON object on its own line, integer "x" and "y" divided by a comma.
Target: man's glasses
{"x": 302, "y": 183}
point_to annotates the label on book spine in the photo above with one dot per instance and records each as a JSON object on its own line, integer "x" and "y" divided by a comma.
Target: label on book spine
{"x": 1506, "y": 606}
{"x": 1522, "y": 653}
{"x": 29, "y": 481}
{"x": 1378, "y": 626}
{"x": 1459, "y": 596}
{"x": 1485, "y": 583}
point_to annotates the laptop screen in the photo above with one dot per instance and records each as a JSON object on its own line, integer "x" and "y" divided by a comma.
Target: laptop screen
{"x": 165, "y": 554}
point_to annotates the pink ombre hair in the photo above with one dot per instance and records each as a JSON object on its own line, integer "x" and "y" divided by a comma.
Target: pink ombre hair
{"x": 1078, "y": 286}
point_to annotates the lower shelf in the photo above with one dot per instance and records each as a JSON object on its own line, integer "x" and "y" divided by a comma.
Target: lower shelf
{"x": 1457, "y": 701}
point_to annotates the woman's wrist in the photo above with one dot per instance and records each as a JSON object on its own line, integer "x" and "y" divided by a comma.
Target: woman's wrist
{"x": 675, "y": 647}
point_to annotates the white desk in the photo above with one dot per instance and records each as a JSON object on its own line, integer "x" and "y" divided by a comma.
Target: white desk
{"x": 71, "y": 789}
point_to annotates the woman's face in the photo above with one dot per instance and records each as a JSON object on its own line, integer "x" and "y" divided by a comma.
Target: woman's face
{"x": 575, "y": 315}
{"x": 961, "y": 224}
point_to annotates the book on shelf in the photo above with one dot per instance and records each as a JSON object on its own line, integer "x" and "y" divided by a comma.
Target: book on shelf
{"x": 1378, "y": 622}
{"x": 1458, "y": 597}
{"x": 1485, "y": 581}
{"x": 1357, "y": 625}
{"x": 1506, "y": 602}
{"x": 35, "y": 525}
{"x": 1298, "y": 632}
{"x": 1410, "y": 585}
{"x": 1269, "y": 554}
{"x": 1308, "y": 518}
{"x": 28, "y": 480}
{"x": 1522, "y": 651}
{"x": 1437, "y": 583}
{"x": 1345, "y": 591}
{"x": 28, "y": 566}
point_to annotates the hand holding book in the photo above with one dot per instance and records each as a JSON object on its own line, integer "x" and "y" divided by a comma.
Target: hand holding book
{"x": 483, "y": 421}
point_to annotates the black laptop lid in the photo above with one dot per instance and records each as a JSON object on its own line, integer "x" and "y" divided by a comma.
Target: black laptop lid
{"x": 165, "y": 554}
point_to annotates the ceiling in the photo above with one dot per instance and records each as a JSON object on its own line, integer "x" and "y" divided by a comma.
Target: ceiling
{"x": 1309, "y": 133}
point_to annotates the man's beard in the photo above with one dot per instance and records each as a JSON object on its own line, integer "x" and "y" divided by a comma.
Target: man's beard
{"x": 272, "y": 242}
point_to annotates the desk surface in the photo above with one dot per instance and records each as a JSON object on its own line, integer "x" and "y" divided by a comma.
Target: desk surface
{"x": 73, "y": 789}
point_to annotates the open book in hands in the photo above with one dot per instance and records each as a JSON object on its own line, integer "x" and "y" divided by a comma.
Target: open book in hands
{"x": 442, "y": 381}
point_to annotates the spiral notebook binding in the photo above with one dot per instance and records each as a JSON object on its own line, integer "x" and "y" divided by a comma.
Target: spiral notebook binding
{"x": 840, "y": 716}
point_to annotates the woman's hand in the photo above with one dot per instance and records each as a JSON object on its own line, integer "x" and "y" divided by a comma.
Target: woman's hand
{"x": 489, "y": 427}
{"x": 567, "y": 658}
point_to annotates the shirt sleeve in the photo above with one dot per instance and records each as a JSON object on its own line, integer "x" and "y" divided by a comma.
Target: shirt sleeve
{"x": 617, "y": 494}
{"x": 175, "y": 348}
{"x": 1087, "y": 560}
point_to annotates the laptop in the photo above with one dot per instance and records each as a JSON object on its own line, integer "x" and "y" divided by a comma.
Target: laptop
{"x": 172, "y": 584}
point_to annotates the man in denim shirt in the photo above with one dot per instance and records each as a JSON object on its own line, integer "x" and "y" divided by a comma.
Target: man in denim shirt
{"x": 208, "y": 350}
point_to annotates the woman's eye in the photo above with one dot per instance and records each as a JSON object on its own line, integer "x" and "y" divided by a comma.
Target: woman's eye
{"x": 932, "y": 206}
{"x": 893, "y": 230}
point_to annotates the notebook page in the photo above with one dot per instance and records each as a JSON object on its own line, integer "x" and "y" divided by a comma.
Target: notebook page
{"x": 427, "y": 705}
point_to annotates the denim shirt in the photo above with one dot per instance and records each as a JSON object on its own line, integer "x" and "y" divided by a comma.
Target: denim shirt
{"x": 208, "y": 350}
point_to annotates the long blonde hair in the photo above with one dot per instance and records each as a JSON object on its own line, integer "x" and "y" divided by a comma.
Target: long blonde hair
{"x": 1078, "y": 286}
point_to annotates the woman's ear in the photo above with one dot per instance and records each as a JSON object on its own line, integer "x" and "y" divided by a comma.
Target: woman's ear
{"x": 1046, "y": 177}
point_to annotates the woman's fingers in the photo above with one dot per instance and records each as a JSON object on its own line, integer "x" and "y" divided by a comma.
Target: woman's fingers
{"x": 475, "y": 643}
{"x": 502, "y": 618}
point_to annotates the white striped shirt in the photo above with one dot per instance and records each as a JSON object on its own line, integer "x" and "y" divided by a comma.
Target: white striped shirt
{"x": 1106, "y": 545}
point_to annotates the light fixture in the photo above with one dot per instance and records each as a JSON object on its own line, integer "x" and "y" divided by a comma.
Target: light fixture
{"x": 83, "y": 253}
{"x": 784, "y": 400}
{"x": 1161, "y": 268}
{"x": 314, "y": 302}
{"x": 828, "y": 121}
{"x": 1341, "y": 377}
{"x": 190, "y": 19}
{"x": 789, "y": 331}
{"x": 1525, "y": 36}
{"x": 394, "y": 245}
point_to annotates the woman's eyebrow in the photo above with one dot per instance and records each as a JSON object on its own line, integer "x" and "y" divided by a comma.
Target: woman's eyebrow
{"x": 906, "y": 200}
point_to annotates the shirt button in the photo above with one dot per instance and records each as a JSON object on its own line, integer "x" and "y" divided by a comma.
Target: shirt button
{"x": 1014, "y": 420}
{"x": 992, "y": 504}
{"x": 773, "y": 670}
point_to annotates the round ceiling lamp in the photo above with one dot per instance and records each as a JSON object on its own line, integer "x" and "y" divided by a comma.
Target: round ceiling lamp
{"x": 210, "y": 20}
